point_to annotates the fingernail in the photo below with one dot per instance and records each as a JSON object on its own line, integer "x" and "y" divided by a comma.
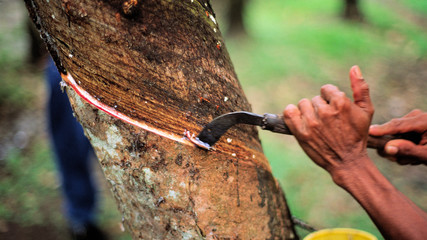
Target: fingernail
{"x": 357, "y": 72}
{"x": 289, "y": 109}
{"x": 391, "y": 150}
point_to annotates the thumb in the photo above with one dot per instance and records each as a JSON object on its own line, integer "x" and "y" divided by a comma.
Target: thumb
{"x": 360, "y": 90}
{"x": 406, "y": 149}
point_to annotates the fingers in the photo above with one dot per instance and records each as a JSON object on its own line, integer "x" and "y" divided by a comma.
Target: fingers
{"x": 333, "y": 96}
{"x": 391, "y": 128}
{"x": 300, "y": 120}
{"x": 319, "y": 104}
{"x": 415, "y": 121}
{"x": 413, "y": 113}
{"x": 292, "y": 117}
{"x": 360, "y": 90}
{"x": 328, "y": 91}
{"x": 406, "y": 152}
{"x": 307, "y": 110}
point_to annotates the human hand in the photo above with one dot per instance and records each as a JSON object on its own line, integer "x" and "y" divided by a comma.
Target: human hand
{"x": 331, "y": 128}
{"x": 404, "y": 151}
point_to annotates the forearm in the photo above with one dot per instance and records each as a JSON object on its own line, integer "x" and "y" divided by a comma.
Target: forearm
{"x": 396, "y": 216}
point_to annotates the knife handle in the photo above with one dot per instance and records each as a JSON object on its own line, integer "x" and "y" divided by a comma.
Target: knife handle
{"x": 380, "y": 142}
{"x": 275, "y": 123}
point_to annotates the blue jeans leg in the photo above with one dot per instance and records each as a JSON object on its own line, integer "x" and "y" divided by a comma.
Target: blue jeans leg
{"x": 72, "y": 150}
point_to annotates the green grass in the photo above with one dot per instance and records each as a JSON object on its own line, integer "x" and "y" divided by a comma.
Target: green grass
{"x": 308, "y": 37}
{"x": 12, "y": 94}
{"x": 26, "y": 176}
{"x": 30, "y": 192}
{"x": 417, "y": 6}
{"x": 13, "y": 52}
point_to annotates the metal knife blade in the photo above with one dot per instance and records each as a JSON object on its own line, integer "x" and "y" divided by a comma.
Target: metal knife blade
{"x": 213, "y": 131}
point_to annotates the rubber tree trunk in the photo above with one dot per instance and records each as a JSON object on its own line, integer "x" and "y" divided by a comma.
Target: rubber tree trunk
{"x": 140, "y": 73}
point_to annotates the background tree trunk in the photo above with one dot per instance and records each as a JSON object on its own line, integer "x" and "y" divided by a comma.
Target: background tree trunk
{"x": 352, "y": 10}
{"x": 235, "y": 17}
{"x": 163, "y": 64}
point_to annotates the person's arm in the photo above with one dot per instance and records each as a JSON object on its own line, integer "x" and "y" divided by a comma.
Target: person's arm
{"x": 403, "y": 151}
{"x": 333, "y": 132}
{"x": 396, "y": 216}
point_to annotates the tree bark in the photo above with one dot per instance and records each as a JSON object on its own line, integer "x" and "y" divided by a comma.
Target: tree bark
{"x": 140, "y": 73}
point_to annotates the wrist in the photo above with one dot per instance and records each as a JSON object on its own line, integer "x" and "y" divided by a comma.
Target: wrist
{"x": 361, "y": 169}
{"x": 394, "y": 214}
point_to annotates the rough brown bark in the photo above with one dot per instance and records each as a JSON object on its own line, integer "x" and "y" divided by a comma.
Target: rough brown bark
{"x": 165, "y": 65}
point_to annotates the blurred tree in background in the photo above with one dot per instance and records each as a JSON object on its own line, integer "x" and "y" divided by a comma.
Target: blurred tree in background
{"x": 352, "y": 10}
{"x": 235, "y": 17}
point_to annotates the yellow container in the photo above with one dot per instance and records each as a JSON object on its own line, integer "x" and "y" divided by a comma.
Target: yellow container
{"x": 340, "y": 234}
